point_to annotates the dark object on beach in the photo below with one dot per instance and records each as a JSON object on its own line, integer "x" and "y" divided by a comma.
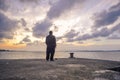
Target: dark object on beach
{"x": 72, "y": 55}
{"x": 115, "y": 69}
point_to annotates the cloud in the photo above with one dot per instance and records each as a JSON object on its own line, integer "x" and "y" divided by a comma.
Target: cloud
{"x": 27, "y": 29}
{"x": 55, "y": 28}
{"x": 26, "y": 1}
{"x": 41, "y": 29}
{"x": 23, "y": 22}
{"x": 104, "y": 32}
{"x": 97, "y": 39}
{"x": 55, "y": 11}
{"x": 71, "y": 35}
{"x": 3, "y": 5}
{"x": 36, "y": 42}
{"x": 60, "y": 7}
{"x": 107, "y": 17}
{"x": 101, "y": 19}
{"x": 26, "y": 39}
{"x": 7, "y": 27}
{"x": 83, "y": 37}
{"x": 114, "y": 37}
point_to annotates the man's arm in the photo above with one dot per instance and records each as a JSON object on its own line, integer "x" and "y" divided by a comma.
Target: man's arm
{"x": 46, "y": 41}
{"x": 55, "y": 41}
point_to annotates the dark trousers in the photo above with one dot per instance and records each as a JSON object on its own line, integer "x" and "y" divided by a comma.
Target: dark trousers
{"x": 50, "y": 53}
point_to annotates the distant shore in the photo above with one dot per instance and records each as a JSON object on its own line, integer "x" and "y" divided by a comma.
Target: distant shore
{"x": 2, "y": 50}
{"x": 60, "y": 69}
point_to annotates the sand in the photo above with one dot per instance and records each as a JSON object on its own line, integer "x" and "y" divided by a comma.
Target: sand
{"x": 60, "y": 69}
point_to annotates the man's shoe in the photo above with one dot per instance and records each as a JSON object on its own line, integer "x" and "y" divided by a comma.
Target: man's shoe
{"x": 52, "y": 60}
{"x": 47, "y": 59}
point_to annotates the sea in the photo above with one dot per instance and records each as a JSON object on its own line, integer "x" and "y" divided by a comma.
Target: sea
{"x": 101, "y": 55}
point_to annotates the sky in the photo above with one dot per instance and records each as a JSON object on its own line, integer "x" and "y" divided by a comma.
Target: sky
{"x": 77, "y": 24}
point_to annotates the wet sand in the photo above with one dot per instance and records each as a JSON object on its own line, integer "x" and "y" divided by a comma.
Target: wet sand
{"x": 60, "y": 69}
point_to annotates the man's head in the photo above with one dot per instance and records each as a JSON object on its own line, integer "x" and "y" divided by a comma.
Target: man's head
{"x": 50, "y": 32}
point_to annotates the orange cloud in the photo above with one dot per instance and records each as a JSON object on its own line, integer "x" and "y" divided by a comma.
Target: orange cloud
{"x": 11, "y": 46}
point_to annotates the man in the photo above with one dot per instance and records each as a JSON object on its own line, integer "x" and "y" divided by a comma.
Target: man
{"x": 51, "y": 44}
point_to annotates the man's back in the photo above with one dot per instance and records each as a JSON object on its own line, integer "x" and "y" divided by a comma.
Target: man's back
{"x": 51, "y": 41}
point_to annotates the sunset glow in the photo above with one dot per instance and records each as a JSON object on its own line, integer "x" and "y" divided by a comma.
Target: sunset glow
{"x": 88, "y": 24}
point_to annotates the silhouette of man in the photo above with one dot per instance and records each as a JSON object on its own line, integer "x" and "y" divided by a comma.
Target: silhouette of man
{"x": 51, "y": 45}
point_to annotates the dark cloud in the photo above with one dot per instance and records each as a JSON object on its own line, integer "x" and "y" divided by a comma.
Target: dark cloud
{"x": 26, "y": 39}
{"x": 27, "y": 1}
{"x": 116, "y": 34}
{"x": 114, "y": 37}
{"x": 3, "y": 5}
{"x": 107, "y": 17}
{"x": 41, "y": 29}
{"x": 23, "y": 22}
{"x": 103, "y": 32}
{"x": 60, "y": 7}
{"x": 84, "y": 37}
{"x": 55, "y": 28}
{"x": 71, "y": 35}
{"x": 7, "y": 27}
{"x": 27, "y": 29}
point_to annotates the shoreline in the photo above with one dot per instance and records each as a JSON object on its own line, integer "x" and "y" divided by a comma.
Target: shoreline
{"x": 63, "y": 58}
{"x": 60, "y": 69}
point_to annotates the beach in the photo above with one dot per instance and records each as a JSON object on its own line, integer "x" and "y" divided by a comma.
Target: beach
{"x": 60, "y": 69}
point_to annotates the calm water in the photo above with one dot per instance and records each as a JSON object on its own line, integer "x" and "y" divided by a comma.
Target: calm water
{"x": 114, "y": 56}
